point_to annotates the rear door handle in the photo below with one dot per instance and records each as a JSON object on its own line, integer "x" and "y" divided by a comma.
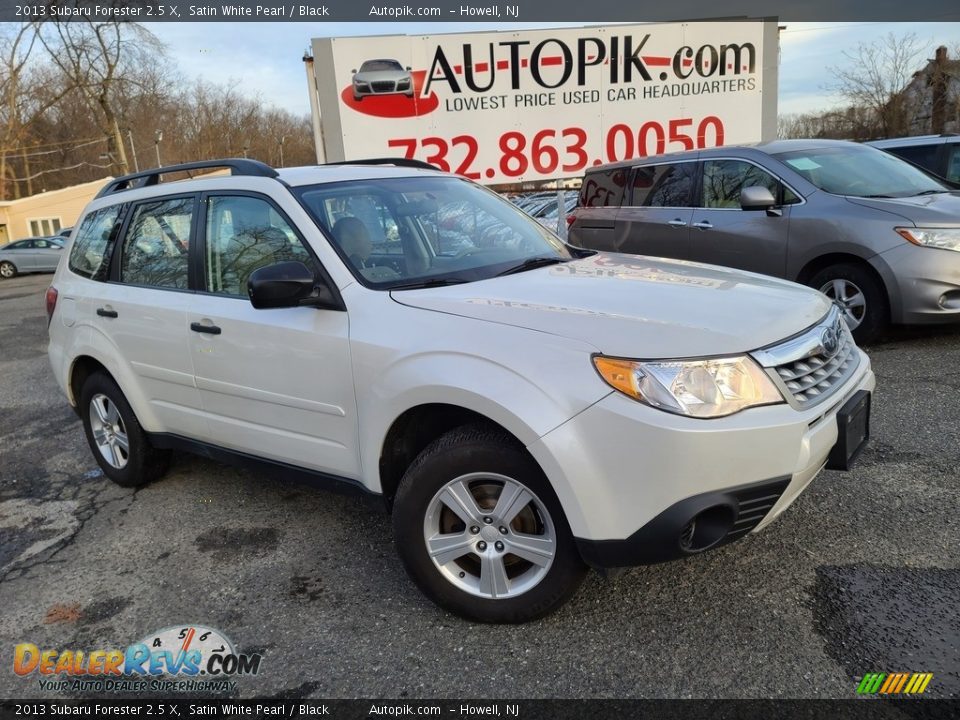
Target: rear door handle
{"x": 104, "y": 312}
{"x": 703, "y": 225}
{"x": 201, "y": 328}
{"x": 677, "y": 223}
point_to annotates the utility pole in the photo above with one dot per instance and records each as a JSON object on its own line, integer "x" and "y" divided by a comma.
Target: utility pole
{"x": 282, "y": 139}
{"x": 133, "y": 151}
{"x": 157, "y": 137}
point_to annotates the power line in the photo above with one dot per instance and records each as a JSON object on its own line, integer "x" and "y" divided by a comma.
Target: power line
{"x": 15, "y": 155}
{"x": 53, "y": 144}
{"x": 59, "y": 169}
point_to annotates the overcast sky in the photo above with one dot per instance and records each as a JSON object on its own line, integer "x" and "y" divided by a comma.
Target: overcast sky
{"x": 265, "y": 59}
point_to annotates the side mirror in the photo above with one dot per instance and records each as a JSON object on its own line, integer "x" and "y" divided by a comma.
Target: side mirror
{"x": 354, "y": 71}
{"x": 409, "y": 68}
{"x": 287, "y": 284}
{"x": 756, "y": 197}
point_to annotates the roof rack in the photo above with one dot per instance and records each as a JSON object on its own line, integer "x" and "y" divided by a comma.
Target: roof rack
{"x": 146, "y": 178}
{"x": 399, "y": 162}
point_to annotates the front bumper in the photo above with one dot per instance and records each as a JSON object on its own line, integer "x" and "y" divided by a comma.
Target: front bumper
{"x": 627, "y": 474}
{"x": 924, "y": 283}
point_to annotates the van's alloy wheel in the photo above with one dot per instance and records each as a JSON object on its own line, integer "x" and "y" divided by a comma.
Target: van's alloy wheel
{"x": 481, "y": 531}
{"x": 859, "y": 294}
{"x": 119, "y": 445}
{"x": 7, "y": 270}
{"x": 850, "y": 299}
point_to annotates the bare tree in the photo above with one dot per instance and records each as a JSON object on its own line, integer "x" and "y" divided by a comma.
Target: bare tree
{"x": 26, "y": 94}
{"x": 874, "y": 76}
{"x": 98, "y": 59}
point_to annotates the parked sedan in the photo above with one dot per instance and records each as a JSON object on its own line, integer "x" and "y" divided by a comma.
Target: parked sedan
{"x": 41, "y": 254}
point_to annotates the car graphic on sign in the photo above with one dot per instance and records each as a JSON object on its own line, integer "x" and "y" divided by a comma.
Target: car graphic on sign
{"x": 382, "y": 77}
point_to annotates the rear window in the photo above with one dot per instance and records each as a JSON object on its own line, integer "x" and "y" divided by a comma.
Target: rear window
{"x": 604, "y": 188}
{"x": 667, "y": 185}
{"x": 90, "y": 253}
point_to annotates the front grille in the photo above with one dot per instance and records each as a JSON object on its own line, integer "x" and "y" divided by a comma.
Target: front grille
{"x": 805, "y": 369}
{"x": 383, "y": 86}
{"x": 753, "y": 505}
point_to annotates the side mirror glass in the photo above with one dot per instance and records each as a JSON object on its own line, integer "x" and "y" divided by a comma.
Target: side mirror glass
{"x": 287, "y": 284}
{"x": 756, "y": 197}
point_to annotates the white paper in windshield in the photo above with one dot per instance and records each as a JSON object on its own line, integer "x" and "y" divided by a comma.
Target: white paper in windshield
{"x": 802, "y": 164}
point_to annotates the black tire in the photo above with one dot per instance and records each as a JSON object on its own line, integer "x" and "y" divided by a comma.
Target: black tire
{"x": 476, "y": 449}
{"x": 144, "y": 463}
{"x": 876, "y": 310}
{"x": 7, "y": 270}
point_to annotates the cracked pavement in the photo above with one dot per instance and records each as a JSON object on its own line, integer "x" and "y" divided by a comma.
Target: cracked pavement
{"x": 860, "y": 575}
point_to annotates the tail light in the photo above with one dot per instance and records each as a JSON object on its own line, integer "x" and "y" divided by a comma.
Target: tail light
{"x": 571, "y": 217}
{"x": 51, "y": 300}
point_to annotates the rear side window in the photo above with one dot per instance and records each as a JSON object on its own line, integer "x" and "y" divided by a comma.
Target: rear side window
{"x": 89, "y": 255}
{"x": 923, "y": 155}
{"x": 157, "y": 243}
{"x": 953, "y": 163}
{"x": 604, "y": 188}
{"x": 668, "y": 185}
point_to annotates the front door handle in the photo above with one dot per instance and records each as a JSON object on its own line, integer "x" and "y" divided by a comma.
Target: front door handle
{"x": 201, "y": 328}
{"x": 677, "y": 223}
{"x": 703, "y": 225}
{"x": 104, "y": 312}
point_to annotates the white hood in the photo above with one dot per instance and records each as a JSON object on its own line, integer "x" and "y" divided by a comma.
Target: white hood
{"x": 638, "y": 307}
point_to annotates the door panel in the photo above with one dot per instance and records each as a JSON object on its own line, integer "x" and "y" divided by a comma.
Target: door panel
{"x": 274, "y": 383}
{"x": 277, "y": 383}
{"x": 143, "y": 311}
{"x": 723, "y": 234}
{"x": 655, "y": 218}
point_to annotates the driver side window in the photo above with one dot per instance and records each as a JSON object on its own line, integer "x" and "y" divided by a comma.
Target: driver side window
{"x": 156, "y": 246}
{"x": 244, "y": 234}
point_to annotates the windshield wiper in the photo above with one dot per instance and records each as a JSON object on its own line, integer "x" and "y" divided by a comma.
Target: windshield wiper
{"x": 435, "y": 282}
{"x": 886, "y": 197}
{"x": 931, "y": 192}
{"x": 531, "y": 263}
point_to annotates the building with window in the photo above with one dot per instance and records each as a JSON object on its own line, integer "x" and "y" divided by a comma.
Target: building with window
{"x": 45, "y": 213}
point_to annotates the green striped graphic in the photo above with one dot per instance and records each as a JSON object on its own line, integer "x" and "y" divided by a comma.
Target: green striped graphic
{"x": 871, "y": 683}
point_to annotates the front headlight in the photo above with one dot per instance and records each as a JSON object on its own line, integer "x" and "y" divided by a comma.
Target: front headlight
{"x": 944, "y": 238}
{"x": 706, "y": 388}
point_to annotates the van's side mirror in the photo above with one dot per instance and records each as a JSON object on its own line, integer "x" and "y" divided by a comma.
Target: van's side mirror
{"x": 756, "y": 197}
{"x": 288, "y": 284}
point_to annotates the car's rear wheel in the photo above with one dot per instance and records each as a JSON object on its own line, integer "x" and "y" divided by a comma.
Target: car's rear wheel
{"x": 119, "y": 444}
{"x": 860, "y": 296}
{"x": 7, "y": 270}
{"x": 481, "y": 531}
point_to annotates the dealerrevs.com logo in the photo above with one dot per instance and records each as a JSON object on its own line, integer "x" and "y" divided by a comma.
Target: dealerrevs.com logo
{"x": 186, "y": 658}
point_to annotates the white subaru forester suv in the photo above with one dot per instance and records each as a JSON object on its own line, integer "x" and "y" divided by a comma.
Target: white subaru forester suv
{"x": 524, "y": 409}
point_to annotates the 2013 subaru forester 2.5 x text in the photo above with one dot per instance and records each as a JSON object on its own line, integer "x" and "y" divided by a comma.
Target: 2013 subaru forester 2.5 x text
{"x": 525, "y": 409}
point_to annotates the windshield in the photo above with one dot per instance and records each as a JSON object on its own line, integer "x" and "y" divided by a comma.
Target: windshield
{"x": 397, "y": 232}
{"x": 375, "y": 65}
{"x": 860, "y": 171}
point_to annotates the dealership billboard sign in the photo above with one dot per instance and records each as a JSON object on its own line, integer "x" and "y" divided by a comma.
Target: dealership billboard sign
{"x": 504, "y": 107}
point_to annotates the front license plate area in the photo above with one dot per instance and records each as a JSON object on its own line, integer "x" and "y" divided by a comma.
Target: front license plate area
{"x": 853, "y": 431}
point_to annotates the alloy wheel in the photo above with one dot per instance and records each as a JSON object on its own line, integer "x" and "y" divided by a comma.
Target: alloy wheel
{"x": 489, "y": 535}
{"x": 849, "y": 297}
{"x": 109, "y": 431}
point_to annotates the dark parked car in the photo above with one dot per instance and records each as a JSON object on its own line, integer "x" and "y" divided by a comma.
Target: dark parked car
{"x": 39, "y": 254}
{"x": 940, "y": 154}
{"x": 874, "y": 233}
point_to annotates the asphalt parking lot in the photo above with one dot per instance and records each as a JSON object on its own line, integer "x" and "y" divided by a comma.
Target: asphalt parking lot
{"x": 860, "y": 575}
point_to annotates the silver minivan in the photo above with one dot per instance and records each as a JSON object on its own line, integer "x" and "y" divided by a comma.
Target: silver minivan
{"x": 878, "y": 236}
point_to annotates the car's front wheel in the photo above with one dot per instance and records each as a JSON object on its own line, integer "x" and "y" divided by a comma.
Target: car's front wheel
{"x": 862, "y": 299}
{"x": 7, "y": 270}
{"x": 119, "y": 444}
{"x": 481, "y": 531}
